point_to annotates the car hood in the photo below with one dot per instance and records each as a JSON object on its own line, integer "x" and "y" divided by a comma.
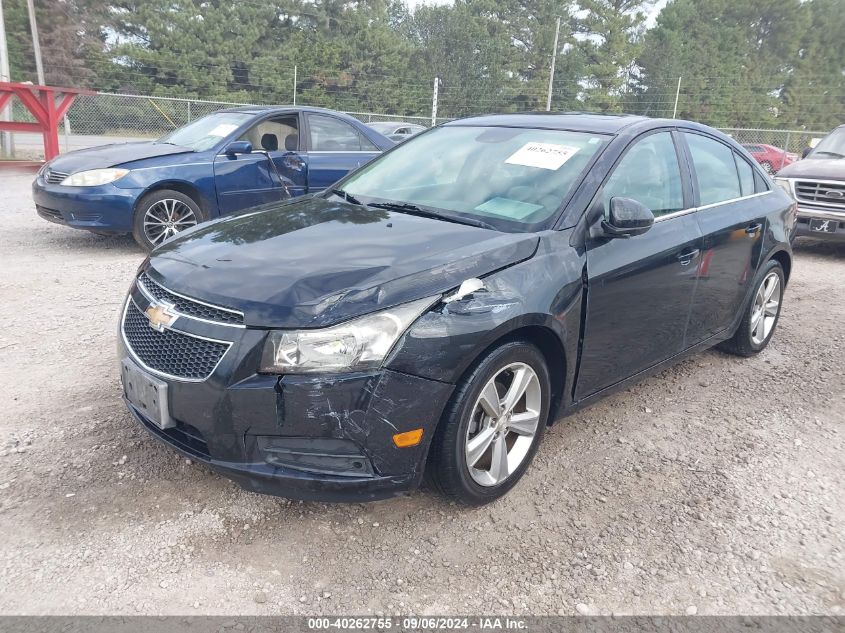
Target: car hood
{"x": 313, "y": 262}
{"x": 111, "y": 155}
{"x": 821, "y": 168}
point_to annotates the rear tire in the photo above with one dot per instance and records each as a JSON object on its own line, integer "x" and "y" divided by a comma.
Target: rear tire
{"x": 161, "y": 214}
{"x": 761, "y": 315}
{"x": 477, "y": 457}
{"x": 767, "y": 167}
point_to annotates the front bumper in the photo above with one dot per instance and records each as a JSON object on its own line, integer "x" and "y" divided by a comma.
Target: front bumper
{"x": 317, "y": 437}
{"x": 807, "y": 213}
{"x": 105, "y": 208}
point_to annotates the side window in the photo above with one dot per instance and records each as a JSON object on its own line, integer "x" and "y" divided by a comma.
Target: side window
{"x": 746, "y": 175}
{"x": 366, "y": 144}
{"x": 333, "y": 135}
{"x": 650, "y": 174}
{"x": 760, "y": 184}
{"x": 715, "y": 169}
{"x": 277, "y": 134}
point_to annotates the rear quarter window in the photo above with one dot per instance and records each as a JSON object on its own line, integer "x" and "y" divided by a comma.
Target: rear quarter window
{"x": 746, "y": 175}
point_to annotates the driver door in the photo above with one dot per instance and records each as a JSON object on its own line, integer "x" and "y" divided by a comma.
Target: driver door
{"x": 640, "y": 289}
{"x": 279, "y": 138}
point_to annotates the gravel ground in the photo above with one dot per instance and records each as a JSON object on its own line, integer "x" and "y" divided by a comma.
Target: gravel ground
{"x": 715, "y": 487}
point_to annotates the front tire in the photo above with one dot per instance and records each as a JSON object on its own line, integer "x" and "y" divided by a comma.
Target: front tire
{"x": 162, "y": 214}
{"x": 768, "y": 168}
{"x": 762, "y": 314}
{"x": 493, "y": 425}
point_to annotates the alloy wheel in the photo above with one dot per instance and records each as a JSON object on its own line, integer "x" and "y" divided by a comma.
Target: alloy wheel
{"x": 503, "y": 424}
{"x": 165, "y": 218}
{"x": 764, "y": 311}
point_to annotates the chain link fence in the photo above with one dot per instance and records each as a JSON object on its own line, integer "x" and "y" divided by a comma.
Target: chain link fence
{"x": 107, "y": 118}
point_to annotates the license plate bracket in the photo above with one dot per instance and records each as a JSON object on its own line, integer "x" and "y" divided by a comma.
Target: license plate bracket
{"x": 822, "y": 225}
{"x": 147, "y": 394}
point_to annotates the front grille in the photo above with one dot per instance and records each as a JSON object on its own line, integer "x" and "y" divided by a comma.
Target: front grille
{"x": 169, "y": 352}
{"x": 189, "y": 307}
{"x": 55, "y": 177}
{"x": 826, "y": 193}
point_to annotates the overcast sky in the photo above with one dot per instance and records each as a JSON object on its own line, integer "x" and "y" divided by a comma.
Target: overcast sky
{"x": 658, "y": 5}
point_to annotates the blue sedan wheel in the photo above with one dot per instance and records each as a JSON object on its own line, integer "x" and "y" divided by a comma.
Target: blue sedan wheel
{"x": 161, "y": 215}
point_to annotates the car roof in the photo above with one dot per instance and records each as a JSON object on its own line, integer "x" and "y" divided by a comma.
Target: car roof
{"x": 256, "y": 109}
{"x": 575, "y": 121}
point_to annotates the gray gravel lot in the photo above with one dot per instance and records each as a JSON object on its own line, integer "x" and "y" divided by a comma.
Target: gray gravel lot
{"x": 715, "y": 487}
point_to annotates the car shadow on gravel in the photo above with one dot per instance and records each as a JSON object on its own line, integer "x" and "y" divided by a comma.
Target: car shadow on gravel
{"x": 62, "y": 237}
{"x": 819, "y": 247}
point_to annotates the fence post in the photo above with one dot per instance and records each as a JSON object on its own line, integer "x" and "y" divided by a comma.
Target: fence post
{"x": 785, "y": 149}
{"x": 189, "y": 112}
{"x": 434, "y": 102}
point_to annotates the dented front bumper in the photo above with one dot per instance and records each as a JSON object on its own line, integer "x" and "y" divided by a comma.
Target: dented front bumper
{"x": 326, "y": 438}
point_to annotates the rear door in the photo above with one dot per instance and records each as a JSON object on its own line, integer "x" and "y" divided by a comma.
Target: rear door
{"x": 731, "y": 216}
{"x": 335, "y": 147}
{"x": 640, "y": 289}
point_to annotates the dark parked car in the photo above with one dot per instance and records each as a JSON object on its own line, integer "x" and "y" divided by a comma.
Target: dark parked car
{"x": 397, "y": 130}
{"x": 225, "y": 162}
{"x": 771, "y": 158}
{"x": 818, "y": 184}
{"x": 436, "y": 309}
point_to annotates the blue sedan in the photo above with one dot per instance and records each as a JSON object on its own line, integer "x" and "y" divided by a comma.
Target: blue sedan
{"x": 225, "y": 162}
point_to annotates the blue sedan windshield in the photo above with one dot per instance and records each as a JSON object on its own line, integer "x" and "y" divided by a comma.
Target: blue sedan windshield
{"x": 206, "y": 132}
{"x": 509, "y": 177}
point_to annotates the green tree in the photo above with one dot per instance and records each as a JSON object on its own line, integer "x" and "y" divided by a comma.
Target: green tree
{"x": 610, "y": 34}
{"x": 72, "y": 41}
{"x": 733, "y": 57}
{"x": 814, "y": 94}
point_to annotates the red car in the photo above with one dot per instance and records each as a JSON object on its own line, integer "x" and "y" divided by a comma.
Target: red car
{"x": 771, "y": 158}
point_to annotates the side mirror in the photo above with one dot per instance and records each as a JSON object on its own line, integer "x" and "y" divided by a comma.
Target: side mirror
{"x": 627, "y": 218}
{"x": 238, "y": 147}
{"x": 806, "y": 152}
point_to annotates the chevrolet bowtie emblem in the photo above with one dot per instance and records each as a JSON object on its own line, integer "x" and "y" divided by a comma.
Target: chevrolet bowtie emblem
{"x": 160, "y": 316}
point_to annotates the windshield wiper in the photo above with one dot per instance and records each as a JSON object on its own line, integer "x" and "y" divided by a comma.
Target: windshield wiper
{"x": 412, "y": 209}
{"x": 348, "y": 197}
{"x": 824, "y": 151}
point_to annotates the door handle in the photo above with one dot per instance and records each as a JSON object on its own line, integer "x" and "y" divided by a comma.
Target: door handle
{"x": 753, "y": 228}
{"x": 687, "y": 255}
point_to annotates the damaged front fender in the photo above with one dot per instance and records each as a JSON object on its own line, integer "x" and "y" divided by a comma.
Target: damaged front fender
{"x": 544, "y": 292}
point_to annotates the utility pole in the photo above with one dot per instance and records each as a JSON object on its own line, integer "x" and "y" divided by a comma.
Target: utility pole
{"x": 552, "y": 73}
{"x": 434, "y": 102}
{"x": 294, "y": 85}
{"x": 677, "y": 94}
{"x": 36, "y": 46}
{"x": 6, "y": 143}
{"x": 39, "y": 66}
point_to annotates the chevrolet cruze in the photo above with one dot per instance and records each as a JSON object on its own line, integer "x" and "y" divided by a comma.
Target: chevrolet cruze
{"x": 431, "y": 313}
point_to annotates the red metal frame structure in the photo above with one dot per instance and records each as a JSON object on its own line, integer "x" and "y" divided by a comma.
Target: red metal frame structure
{"x": 47, "y": 104}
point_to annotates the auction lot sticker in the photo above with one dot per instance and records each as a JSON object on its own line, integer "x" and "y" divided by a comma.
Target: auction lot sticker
{"x": 542, "y": 155}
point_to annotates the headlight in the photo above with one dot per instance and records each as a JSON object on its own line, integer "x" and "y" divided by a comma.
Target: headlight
{"x": 784, "y": 184}
{"x": 362, "y": 343}
{"x": 94, "y": 177}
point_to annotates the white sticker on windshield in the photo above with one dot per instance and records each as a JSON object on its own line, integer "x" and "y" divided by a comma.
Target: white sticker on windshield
{"x": 224, "y": 129}
{"x": 542, "y": 155}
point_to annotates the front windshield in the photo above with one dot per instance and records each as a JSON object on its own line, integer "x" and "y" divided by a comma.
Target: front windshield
{"x": 512, "y": 178}
{"x": 206, "y": 132}
{"x": 831, "y": 146}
